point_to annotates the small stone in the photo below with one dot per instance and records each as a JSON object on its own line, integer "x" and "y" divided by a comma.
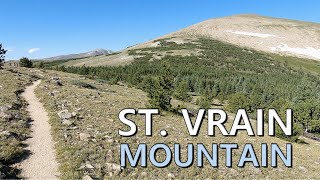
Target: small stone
{"x": 67, "y": 122}
{"x": 89, "y": 166}
{"x": 110, "y": 140}
{"x": 65, "y": 114}
{"x": 78, "y": 109}
{"x": 2, "y": 175}
{"x": 301, "y": 168}
{"x": 143, "y": 174}
{"x": 59, "y": 82}
{"x": 84, "y": 136}
{"x": 171, "y": 176}
{"x": 6, "y": 133}
{"x": 87, "y": 177}
{"x": 6, "y": 116}
{"x": 65, "y": 135}
{"x": 55, "y": 78}
{"x": 4, "y": 108}
{"x": 111, "y": 167}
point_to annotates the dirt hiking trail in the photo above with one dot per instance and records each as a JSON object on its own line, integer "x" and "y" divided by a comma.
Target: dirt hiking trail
{"x": 41, "y": 164}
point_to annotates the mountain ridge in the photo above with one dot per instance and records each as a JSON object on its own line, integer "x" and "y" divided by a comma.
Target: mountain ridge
{"x": 96, "y": 52}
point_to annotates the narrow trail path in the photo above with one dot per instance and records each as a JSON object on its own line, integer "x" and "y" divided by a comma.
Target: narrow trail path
{"x": 41, "y": 164}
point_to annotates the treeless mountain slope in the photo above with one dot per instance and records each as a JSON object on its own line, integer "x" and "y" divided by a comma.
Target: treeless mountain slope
{"x": 273, "y": 35}
{"x": 268, "y": 34}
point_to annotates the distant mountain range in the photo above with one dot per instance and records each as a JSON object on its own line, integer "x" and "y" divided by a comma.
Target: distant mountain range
{"x": 97, "y": 52}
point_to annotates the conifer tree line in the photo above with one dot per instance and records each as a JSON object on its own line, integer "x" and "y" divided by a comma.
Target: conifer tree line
{"x": 239, "y": 77}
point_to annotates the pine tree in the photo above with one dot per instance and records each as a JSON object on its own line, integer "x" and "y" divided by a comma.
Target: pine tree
{"x": 162, "y": 89}
{"x": 25, "y": 62}
{"x": 2, "y": 55}
{"x": 181, "y": 92}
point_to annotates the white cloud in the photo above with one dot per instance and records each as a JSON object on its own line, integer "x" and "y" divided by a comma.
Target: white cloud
{"x": 30, "y": 51}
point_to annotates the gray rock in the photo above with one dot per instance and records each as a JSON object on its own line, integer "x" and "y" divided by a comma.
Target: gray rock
{"x": 59, "y": 82}
{"x": 67, "y": 122}
{"x": 89, "y": 166}
{"x": 2, "y": 175}
{"x": 111, "y": 167}
{"x": 171, "y": 176}
{"x": 110, "y": 140}
{"x": 6, "y": 133}
{"x": 6, "y": 116}
{"x": 55, "y": 78}
{"x": 87, "y": 177}
{"x": 84, "y": 136}
{"x": 65, "y": 114}
{"x": 4, "y": 108}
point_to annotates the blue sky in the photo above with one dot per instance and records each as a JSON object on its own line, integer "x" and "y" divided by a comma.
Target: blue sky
{"x": 38, "y": 28}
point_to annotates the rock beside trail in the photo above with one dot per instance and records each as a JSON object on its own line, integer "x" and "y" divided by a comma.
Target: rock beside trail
{"x": 4, "y": 108}
{"x": 67, "y": 122}
{"x": 5, "y": 114}
{"x": 7, "y": 134}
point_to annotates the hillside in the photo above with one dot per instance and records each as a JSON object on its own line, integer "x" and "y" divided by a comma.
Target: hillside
{"x": 283, "y": 36}
{"x": 88, "y": 142}
{"x": 270, "y": 35}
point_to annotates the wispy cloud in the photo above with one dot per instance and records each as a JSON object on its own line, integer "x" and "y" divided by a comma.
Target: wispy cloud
{"x": 32, "y": 50}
